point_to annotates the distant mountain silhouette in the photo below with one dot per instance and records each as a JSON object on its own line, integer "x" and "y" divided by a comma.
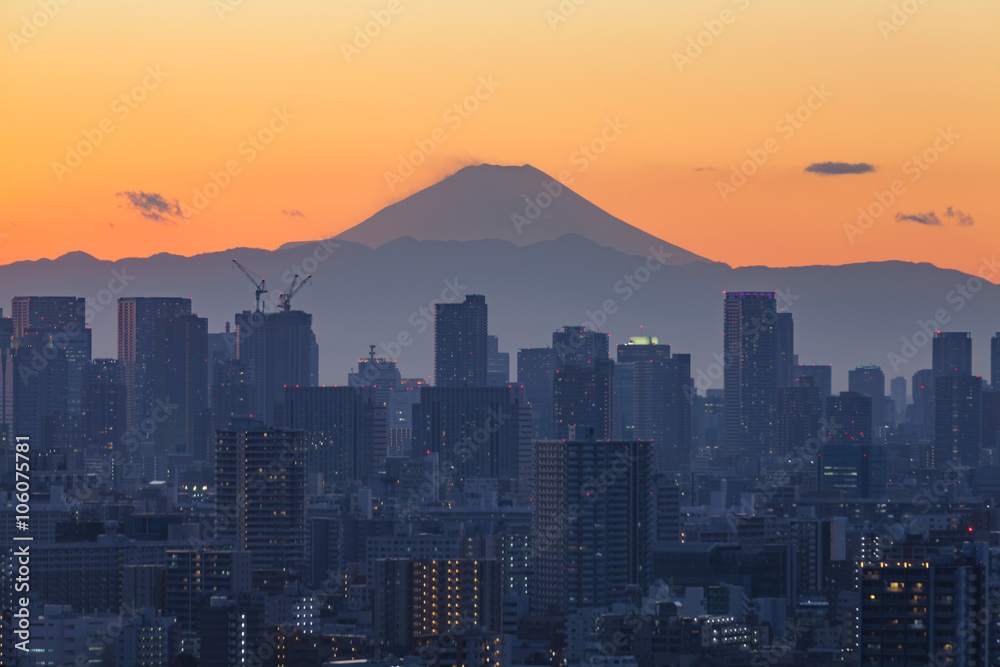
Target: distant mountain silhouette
{"x": 521, "y": 205}
{"x": 845, "y": 315}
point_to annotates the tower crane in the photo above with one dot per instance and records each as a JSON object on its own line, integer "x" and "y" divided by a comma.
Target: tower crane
{"x": 257, "y": 281}
{"x": 285, "y": 298}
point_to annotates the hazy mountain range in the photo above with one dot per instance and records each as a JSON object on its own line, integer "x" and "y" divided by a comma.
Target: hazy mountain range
{"x": 377, "y": 281}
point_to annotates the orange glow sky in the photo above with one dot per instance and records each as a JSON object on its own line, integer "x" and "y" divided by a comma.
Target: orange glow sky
{"x": 891, "y": 93}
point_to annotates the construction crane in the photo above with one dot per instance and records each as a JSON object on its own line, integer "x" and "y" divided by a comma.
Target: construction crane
{"x": 257, "y": 281}
{"x": 285, "y": 298}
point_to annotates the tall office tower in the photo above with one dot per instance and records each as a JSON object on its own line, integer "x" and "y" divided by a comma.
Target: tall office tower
{"x": 923, "y": 402}
{"x": 180, "y": 378}
{"x": 583, "y": 390}
{"x": 952, "y": 353}
{"x": 897, "y": 389}
{"x": 822, "y": 376}
{"x": 281, "y": 349}
{"x": 136, "y": 342}
{"x": 103, "y": 418}
{"x": 497, "y": 363}
{"x": 750, "y": 377}
{"x": 6, "y": 379}
{"x": 661, "y": 391}
{"x": 536, "y": 369}
{"x": 870, "y": 381}
{"x": 61, "y": 319}
{"x": 261, "y": 497}
{"x": 592, "y": 523}
{"x": 785, "y": 364}
{"x": 232, "y": 393}
{"x": 40, "y": 391}
{"x": 344, "y": 430}
{"x": 957, "y": 420}
{"x": 460, "y": 333}
{"x": 475, "y": 432}
{"x": 995, "y": 362}
{"x": 849, "y": 462}
{"x": 957, "y": 401}
{"x": 799, "y": 418}
{"x": 946, "y": 602}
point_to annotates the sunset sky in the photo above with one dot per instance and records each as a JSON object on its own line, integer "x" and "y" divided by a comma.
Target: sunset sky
{"x": 199, "y": 78}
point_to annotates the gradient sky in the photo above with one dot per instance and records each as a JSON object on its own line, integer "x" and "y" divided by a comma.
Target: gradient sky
{"x": 688, "y": 122}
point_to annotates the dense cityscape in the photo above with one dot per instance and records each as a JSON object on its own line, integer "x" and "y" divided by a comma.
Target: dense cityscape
{"x": 201, "y": 499}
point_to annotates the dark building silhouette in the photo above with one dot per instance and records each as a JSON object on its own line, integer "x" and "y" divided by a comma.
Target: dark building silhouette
{"x": 261, "y": 499}
{"x": 7, "y": 376}
{"x": 660, "y": 391}
{"x": 281, "y": 349}
{"x": 848, "y": 461}
{"x": 995, "y": 362}
{"x": 460, "y": 347}
{"x": 750, "y": 374}
{"x": 476, "y": 432}
{"x": 822, "y": 377}
{"x": 583, "y": 389}
{"x": 897, "y": 389}
{"x": 62, "y": 320}
{"x": 103, "y": 416}
{"x": 536, "y": 369}
{"x": 957, "y": 401}
{"x": 232, "y": 393}
{"x": 870, "y": 381}
{"x": 923, "y": 402}
{"x": 592, "y": 534}
{"x": 497, "y": 363}
{"x": 136, "y": 341}
{"x": 785, "y": 364}
{"x": 799, "y": 417}
{"x": 344, "y": 430}
{"x": 180, "y": 378}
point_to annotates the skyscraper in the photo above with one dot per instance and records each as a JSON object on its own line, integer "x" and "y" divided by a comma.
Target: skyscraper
{"x": 536, "y": 369}
{"x": 103, "y": 405}
{"x": 180, "y": 375}
{"x": 750, "y": 374}
{"x": 261, "y": 496}
{"x": 870, "y": 381}
{"x": 280, "y": 347}
{"x": 923, "y": 402}
{"x": 592, "y": 523}
{"x": 460, "y": 348}
{"x": 497, "y": 363}
{"x": 799, "y": 417}
{"x": 995, "y": 362}
{"x": 897, "y": 389}
{"x": 136, "y": 342}
{"x": 661, "y": 394}
{"x": 822, "y": 376}
{"x": 957, "y": 401}
{"x": 849, "y": 462}
{"x": 952, "y": 353}
{"x": 583, "y": 391}
{"x": 785, "y": 364}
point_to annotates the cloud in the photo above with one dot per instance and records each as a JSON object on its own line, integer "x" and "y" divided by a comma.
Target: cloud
{"x": 929, "y": 219}
{"x": 294, "y": 212}
{"x": 839, "y": 168}
{"x": 705, "y": 169}
{"x": 153, "y": 206}
{"x": 964, "y": 219}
